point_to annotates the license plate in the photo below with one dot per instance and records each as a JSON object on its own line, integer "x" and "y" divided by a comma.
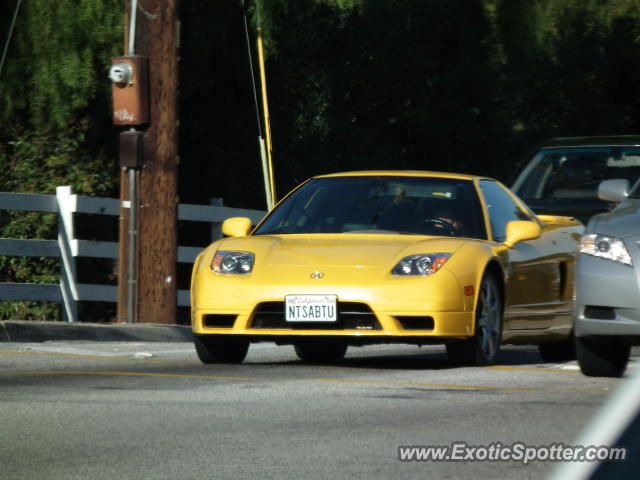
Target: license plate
{"x": 311, "y": 308}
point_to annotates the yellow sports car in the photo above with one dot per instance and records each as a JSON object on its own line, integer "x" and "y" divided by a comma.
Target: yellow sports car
{"x": 389, "y": 257}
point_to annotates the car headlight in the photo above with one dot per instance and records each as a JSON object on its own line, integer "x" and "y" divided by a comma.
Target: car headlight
{"x": 609, "y": 248}
{"x": 422, "y": 264}
{"x": 232, "y": 262}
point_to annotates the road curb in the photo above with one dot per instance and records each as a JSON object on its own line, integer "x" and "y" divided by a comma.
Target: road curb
{"x": 17, "y": 331}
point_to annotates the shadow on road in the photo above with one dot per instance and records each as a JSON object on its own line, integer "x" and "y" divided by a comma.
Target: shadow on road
{"x": 435, "y": 361}
{"x": 429, "y": 360}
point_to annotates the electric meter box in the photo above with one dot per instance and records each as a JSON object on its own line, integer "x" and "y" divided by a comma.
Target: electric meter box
{"x": 130, "y": 90}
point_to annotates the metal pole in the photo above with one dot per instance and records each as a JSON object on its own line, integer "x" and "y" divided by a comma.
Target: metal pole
{"x": 265, "y": 170}
{"x": 132, "y": 28}
{"x": 263, "y": 151}
{"x": 6, "y": 45}
{"x": 132, "y": 270}
{"x": 267, "y": 120}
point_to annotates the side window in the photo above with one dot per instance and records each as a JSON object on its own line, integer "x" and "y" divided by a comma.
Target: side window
{"x": 502, "y": 208}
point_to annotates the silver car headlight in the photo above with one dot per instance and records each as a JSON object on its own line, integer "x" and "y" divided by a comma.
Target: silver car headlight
{"x": 609, "y": 248}
{"x": 232, "y": 262}
{"x": 422, "y": 264}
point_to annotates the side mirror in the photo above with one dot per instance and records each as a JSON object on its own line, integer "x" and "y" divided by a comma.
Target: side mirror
{"x": 520, "y": 231}
{"x": 236, "y": 227}
{"x": 615, "y": 190}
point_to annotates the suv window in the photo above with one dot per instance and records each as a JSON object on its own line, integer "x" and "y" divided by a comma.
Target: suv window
{"x": 575, "y": 173}
{"x": 501, "y": 208}
{"x": 563, "y": 180}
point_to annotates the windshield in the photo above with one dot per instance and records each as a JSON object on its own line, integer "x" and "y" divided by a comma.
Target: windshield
{"x": 384, "y": 204}
{"x": 575, "y": 173}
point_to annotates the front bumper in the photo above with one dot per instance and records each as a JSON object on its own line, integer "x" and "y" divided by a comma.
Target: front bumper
{"x": 607, "y": 298}
{"x": 398, "y": 309}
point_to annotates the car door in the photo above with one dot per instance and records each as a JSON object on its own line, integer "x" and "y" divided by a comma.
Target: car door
{"x": 535, "y": 272}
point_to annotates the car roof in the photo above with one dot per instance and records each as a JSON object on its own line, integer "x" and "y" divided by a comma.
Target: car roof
{"x": 404, "y": 173}
{"x": 597, "y": 141}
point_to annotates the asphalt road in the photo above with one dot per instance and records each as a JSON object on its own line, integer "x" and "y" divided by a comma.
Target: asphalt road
{"x": 151, "y": 410}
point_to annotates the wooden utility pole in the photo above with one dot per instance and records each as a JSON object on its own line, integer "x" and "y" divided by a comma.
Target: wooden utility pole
{"x": 157, "y": 39}
{"x": 159, "y": 178}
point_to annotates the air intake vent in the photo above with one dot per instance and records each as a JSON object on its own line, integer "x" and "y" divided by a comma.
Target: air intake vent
{"x": 599, "y": 313}
{"x": 416, "y": 322}
{"x": 351, "y": 316}
{"x": 219, "y": 321}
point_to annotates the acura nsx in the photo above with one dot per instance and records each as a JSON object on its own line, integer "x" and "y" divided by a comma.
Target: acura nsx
{"x": 361, "y": 258}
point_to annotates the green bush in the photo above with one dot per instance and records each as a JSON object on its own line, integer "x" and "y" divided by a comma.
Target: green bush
{"x": 37, "y": 163}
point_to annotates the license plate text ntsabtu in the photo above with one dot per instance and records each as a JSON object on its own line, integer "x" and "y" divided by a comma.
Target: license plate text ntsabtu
{"x": 311, "y": 308}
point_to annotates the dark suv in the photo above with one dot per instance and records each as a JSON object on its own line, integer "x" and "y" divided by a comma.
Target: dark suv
{"x": 563, "y": 174}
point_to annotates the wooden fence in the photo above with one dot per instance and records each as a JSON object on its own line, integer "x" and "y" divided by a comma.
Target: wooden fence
{"x": 64, "y": 203}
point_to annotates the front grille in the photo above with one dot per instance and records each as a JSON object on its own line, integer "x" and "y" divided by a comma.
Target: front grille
{"x": 416, "y": 322}
{"x": 599, "y": 313}
{"x": 351, "y": 316}
{"x": 219, "y": 321}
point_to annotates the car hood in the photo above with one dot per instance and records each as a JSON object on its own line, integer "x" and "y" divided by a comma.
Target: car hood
{"x": 342, "y": 250}
{"x": 622, "y": 222}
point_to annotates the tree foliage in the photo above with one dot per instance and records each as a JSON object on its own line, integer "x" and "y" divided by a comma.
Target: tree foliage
{"x": 472, "y": 85}
{"x": 54, "y": 116}
{"x": 59, "y": 56}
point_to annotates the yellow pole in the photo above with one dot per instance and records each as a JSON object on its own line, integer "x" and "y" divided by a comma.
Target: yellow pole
{"x": 267, "y": 125}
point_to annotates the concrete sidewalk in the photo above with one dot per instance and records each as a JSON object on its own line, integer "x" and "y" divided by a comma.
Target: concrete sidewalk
{"x": 22, "y": 331}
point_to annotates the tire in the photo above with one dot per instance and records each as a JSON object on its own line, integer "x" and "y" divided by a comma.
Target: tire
{"x": 602, "y": 356}
{"x": 563, "y": 351}
{"x": 318, "y": 353}
{"x": 484, "y": 347}
{"x": 220, "y": 350}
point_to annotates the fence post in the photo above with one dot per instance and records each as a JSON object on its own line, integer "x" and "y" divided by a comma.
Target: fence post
{"x": 66, "y": 207}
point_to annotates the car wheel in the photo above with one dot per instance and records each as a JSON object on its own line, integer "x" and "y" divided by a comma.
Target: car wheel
{"x": 602, "y": 356}
{"x": 321, "y": 352}
{"x": 220, "y": 350}
{"x": 563, "y": 351}
{"x": 484, "y": 346}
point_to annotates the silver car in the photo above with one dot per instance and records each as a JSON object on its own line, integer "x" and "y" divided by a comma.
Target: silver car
{"x": 561, "y": 177}
{"x": 607, "y": 309}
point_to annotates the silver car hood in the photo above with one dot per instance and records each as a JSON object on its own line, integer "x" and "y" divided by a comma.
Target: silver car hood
{"x": 622, "y": 222}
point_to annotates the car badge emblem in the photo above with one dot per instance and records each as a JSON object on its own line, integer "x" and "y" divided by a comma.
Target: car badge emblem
{"x": 317, "y": 275}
